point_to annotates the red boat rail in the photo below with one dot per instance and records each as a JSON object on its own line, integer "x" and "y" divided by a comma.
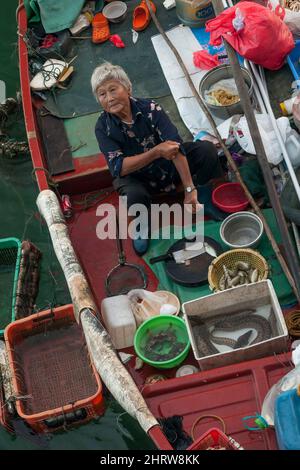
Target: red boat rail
{"x": 90, "y": 172}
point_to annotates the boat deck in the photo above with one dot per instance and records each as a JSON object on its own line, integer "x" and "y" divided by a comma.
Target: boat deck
{"x": 231, "y": 392}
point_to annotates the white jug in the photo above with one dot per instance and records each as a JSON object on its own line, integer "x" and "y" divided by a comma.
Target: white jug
{"x": 292, "y": 145}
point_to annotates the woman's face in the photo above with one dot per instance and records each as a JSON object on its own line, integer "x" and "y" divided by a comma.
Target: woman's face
{"x": 113, "y": 97}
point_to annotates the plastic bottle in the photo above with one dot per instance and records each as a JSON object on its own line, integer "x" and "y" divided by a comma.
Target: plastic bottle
{"x": 287, "y": 424}
{"x": 287, "y": 106}
{"x": 292, "y": 145}
{"x": 296, "y": 112}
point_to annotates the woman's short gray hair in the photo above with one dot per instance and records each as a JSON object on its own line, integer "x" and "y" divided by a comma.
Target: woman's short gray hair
{"x": 108, "y": 71}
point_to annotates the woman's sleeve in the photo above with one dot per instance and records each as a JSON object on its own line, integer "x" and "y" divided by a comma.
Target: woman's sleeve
{"x": 111, "y": 150}
{"x": 163, "y": 125}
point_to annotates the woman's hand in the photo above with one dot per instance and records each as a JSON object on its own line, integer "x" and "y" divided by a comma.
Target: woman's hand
{"x": 192, "y": 199}
{"x": 168, "y": 150}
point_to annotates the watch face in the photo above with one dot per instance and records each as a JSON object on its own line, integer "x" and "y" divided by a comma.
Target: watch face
{"x": 188, "y": 189}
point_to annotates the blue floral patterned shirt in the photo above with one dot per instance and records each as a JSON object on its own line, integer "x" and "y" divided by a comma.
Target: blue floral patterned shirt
{"x": 151, "y": 126}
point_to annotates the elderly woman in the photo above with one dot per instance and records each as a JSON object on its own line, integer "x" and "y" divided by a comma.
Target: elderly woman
{"x": 143, "y": 149}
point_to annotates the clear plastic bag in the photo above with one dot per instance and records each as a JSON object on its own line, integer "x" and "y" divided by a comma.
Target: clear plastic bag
{"x": 225, "y": 88}
{"x": 268, "y": 135}
{"x": 289, "y": 381}
{"x": 145, "y": 304}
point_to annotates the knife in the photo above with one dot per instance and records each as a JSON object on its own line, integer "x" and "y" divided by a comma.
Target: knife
{"x": 185, "y": 254}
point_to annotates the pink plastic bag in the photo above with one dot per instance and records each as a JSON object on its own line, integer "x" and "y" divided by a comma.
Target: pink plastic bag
{"x": 255, "y": 32}
{"x": 205, "y": 61}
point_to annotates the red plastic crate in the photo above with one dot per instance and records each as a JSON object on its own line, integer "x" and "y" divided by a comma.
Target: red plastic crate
{"x": 213, "y": 439}
{"x": 51, "y": 368}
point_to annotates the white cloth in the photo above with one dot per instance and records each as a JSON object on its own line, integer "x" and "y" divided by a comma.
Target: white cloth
{"x": 186, "y": 44}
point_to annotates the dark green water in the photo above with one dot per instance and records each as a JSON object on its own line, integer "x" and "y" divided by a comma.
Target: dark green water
{"x": 19, "y": 218}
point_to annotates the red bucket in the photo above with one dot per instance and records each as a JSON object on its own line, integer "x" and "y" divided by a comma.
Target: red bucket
{"x": 230, "y": 197}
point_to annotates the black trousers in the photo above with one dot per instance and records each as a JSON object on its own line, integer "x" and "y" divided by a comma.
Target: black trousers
{"x": 203, "y": 163}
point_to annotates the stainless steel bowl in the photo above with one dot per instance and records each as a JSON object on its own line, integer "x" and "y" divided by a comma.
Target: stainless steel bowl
{"x": 241, "y": 230}
{"x": 215, "y": 75}
{"x": 115, "y": 11}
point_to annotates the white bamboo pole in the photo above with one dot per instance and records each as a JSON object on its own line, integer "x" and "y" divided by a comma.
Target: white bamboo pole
{"x": 101, "y": 348}
{"x": 276, "y": 129}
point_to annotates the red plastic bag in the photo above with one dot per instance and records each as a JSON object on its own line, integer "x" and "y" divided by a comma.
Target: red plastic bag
{"x": 255, "y": 32}
{"x": 205, "y": 61}
{"x": 116, "y": 40}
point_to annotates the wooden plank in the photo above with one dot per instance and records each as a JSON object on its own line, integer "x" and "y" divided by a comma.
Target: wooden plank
{"x": 55, "y": 142}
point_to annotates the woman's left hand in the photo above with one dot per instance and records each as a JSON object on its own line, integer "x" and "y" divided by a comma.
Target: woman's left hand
{"x": 192, "y": 199}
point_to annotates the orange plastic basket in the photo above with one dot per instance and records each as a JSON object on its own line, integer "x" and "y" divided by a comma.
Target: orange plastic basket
{"x": 51, "y": 371}
{"x": 213, "y": 439}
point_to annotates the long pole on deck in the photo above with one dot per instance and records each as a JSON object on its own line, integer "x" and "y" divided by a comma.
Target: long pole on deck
{"x": 292, "y": 271}
{"x": 261, "y": 156}
{"x": 112, "y": 372}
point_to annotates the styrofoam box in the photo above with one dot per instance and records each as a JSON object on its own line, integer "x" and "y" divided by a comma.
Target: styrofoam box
{"x": 259, "y": 296}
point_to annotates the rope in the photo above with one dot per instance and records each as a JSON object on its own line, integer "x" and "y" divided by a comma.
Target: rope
{"x": 292, "y": 320}
{"x": 50, "y": 181}
{"x": 207, "y": 416}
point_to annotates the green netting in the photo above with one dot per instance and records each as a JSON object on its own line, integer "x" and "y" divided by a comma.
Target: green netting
{"x": 10, "y": 254}
{"x": 281, "y": 285}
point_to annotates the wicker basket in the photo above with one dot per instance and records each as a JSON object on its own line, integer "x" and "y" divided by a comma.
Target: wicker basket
{"x": 229, "y": 258}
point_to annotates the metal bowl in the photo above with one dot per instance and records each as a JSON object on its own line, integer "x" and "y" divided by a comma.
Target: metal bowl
{"x": 115, "y": 12}
{"x": 215, "y": 75}
{"x": 241, "y": 230}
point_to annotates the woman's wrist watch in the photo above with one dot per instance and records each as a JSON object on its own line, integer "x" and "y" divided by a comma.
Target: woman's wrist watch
{"x": 189, "y": 189}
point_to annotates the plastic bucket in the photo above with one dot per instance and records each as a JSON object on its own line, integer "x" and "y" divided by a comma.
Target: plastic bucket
{"x": 154, "y": 327}
{"x": 194, "y": 13}
{"x": 222, "y": 72}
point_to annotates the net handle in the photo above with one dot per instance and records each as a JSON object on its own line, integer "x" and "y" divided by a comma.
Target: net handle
{"x": 121, "y": 254}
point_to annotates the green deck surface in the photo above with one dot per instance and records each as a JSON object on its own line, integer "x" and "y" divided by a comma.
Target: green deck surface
{"x": 212, "y": 229}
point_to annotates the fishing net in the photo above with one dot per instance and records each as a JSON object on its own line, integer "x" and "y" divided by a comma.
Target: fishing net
{"x": 124, "y": 276}
{"x": 28, "y": 280}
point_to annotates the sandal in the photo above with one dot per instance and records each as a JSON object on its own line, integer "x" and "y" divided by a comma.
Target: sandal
{"x": 100, "y": 28}
{"x": 141, "y": 16}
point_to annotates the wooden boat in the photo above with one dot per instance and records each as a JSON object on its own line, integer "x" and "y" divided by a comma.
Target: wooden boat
{"x": 232, "y": 392}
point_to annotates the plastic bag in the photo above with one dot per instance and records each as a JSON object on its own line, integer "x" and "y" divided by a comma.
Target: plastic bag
{"x": 117, "y": 41}
{"x": 289, "y": 17}
{"x": 255, "y": 32}
{"x": 270, "y": 142}
{"x": 289, "y": 381}
{"x": 205, "y": 61}
{"x": 145, "y": 304}
{"x": 222, "y": 93}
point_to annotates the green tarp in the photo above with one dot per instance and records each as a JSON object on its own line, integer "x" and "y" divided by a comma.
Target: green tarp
{"x": 139, "y": 60}
{"x": 281, "y": 285}
{"x": 55, "y": 15}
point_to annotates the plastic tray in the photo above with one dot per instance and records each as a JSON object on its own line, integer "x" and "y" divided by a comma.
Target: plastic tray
{"x": 293, "y": 60}
{"x": 50, "y": 365}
